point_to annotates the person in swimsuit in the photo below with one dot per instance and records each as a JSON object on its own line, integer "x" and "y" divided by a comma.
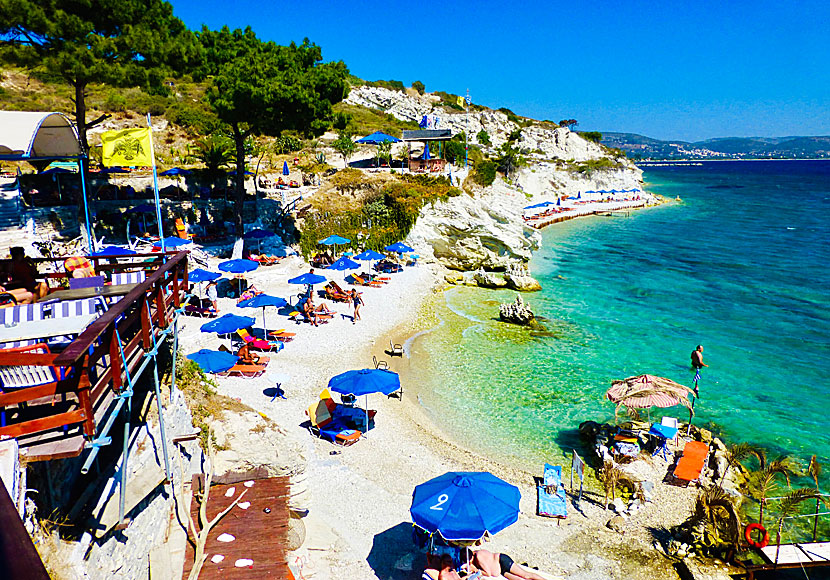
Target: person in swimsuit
{"x": 440, "y": 568}
{"x": 246, "y": 356}
{"x": 493, "y": 565}
{"x": 22, "y": 274}
{"x": 357, "y": 302}
{"x": 697, "y": 364}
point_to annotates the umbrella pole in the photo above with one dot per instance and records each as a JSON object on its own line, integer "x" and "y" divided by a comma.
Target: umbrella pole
{"x": 367, "y": 414}
{"x": 264, "y": 327}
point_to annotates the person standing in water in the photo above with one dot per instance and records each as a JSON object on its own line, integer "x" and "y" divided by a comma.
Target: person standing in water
{"x": 697, "y": 364}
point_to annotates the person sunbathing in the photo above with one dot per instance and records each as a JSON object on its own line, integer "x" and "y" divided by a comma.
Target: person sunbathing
{"x": 322, "y": 309}
{"x": 246, "y": 356}
{"x": 20, "y": 295}
{"x": 440, "y": 568}
{"x": 494, "y": 565}
{"x": 309, "y": 313}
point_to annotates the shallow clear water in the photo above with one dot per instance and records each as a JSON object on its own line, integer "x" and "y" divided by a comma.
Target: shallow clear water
{"x": 740, "y": 266}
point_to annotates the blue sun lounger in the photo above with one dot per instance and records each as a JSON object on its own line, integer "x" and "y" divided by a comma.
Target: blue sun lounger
{"x": 553, "y": 502}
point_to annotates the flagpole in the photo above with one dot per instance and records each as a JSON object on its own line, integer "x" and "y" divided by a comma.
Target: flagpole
{"x": 467, "y": 132}
{"x": 156, "y": 186}
{"x": 90, "y": 240}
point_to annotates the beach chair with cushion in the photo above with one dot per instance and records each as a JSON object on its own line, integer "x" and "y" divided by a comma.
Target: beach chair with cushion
{"x": 22, "y": 376}
{"x": 20, "y": 313}
{"x": 79, "y": 267}
{"x": 68, "y": 309}
{"x": 552, "y": 500}
{"x": 281, "y": 335}
{"x": 335, "y": 293}
{"x": 247, "y": 371}
{"x": 259, "y": 343}
{"x": 129, "y": 277}
{"x": 360, "y": 281}
{"x": 324, "y": 425}
{"x": 690, "y": 465}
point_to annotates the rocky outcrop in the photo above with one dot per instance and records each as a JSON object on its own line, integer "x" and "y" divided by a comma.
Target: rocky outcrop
{"x": 518, "y": 278}
{"x": 470, "y": 233}
{"x": 516, "y": 312}
{"x": 489, "y": 279}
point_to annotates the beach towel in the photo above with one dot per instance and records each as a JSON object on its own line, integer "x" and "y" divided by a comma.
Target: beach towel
{"x": 552, "y": 501}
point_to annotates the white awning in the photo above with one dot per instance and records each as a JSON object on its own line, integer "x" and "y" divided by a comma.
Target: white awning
{"x": 25, "y": 135}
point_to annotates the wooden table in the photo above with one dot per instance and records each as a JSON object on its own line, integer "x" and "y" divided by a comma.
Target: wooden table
{"x": 35, "y": 329}
{"x": 82, "y": 293}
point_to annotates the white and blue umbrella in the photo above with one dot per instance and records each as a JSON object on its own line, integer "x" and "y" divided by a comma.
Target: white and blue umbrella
{"x": 213, "y": 361}
{"x": 261, "y": 301}
{"x": 238, "y": 266}
{"x": 369, "y": 256}
{"x": 365, "y": 382}
{"x": 398, "y": 248}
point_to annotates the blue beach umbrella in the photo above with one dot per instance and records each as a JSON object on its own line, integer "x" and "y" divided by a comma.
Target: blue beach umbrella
{"x": 376, "y": 138}
{"x": 112, "y": 251}
{"x": 142, "y": 208}
{"x": 591, "y": 191}
{"x": 55, "y": 170}
{"x": 227, "y": 324}
{"x": 334, "y": 240}
{"x": 426, "y": 151}
{"x": 261, "y": 301}
{"x": 200, "y": 275}
{"x": 176, "y": 171}
{"x": 285, "y": 168}
{"x": 259, "y": 234}
{"x": 365, "y": 382}
{"x": 213, "y": 361}
{"x": 398, "y": 248}
{"x": 308, "y": 279}
{"x": 543, "y": 204}
{"x": 113, "y": 170}
{"x": 343, "y": 263}
{"x": 369, "y": 255}
{"x": 173, "y": 242}
{"x": 579, "y": 195}
{"x": 238, "y": 266}
{"x": 559, "y": 201}
{"x": 465, "y": 505}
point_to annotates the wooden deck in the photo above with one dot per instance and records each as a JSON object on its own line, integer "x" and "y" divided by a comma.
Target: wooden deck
{"x": 791, "y": 556}
{"x": 58, "y": 419}
{"x": 259, "y": 535}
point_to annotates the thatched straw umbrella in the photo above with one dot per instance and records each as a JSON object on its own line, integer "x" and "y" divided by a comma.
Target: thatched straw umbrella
{"x": 646, "y": 391}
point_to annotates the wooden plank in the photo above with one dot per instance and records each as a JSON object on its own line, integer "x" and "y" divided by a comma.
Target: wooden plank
{"x": 260, "y": 536}
{"x": 18, "y": 557}
{"x": 788, "y": 554}
{"x": 44, "y": 423}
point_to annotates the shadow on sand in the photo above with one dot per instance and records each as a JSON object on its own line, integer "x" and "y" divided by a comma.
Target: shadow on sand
{"x": 393, "y": 549}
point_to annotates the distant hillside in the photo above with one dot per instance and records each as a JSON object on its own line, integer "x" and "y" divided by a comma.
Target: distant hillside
{"x": 641, "y": 147}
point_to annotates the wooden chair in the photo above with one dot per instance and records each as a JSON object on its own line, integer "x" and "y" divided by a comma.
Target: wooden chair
{"x": 395, "y": 349}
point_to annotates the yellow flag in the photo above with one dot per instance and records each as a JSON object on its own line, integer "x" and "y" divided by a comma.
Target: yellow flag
{"x": 461, "y": 102}
{"x": 130, "y": 147}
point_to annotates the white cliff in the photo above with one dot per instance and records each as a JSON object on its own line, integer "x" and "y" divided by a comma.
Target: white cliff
{"x": 484, "y": 227}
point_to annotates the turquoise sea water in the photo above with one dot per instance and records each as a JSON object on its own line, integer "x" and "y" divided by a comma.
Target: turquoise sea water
{"x": 740, "y": 266}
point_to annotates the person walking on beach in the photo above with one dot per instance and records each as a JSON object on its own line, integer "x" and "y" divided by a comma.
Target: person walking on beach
{"x": 493, "y": 565}
{"x": 357, "y": 302}
{"x": 213, "y": 296}
{"x": 697, "y": 364}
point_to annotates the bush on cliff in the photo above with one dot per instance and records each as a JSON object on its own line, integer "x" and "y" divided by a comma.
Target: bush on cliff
{"x": 384, "y": 218}
{"x": 594, "y": 136}
{"x": 485, "y": 173}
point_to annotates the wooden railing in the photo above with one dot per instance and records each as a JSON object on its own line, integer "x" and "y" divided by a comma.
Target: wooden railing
{"x": 91, "y": 370}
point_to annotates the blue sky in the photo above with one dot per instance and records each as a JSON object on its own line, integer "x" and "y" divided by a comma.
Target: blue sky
{"x": 670, "y": 70}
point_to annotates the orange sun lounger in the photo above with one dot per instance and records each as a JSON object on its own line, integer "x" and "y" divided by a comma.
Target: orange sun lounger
{"x": 690, "y": 464}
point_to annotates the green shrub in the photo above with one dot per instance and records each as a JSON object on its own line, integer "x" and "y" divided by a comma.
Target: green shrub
{"x": 394, "y": 85}
{"x": 592, "y": 165}
{"x": 385, "y": 217}
{"x": 287, "y": 144}
{"x": 197, "y": 120}
{"x": 449, "y": 100}
{"x": 115, "y": 103}
{"x": 594, "y": 136}
{"x": 454, "y": 150}
{"x": 419, "y": 86}
{"x": 485, "y": 173}
{"x": 483, "y": 137}
{"x": 511, "y": 116}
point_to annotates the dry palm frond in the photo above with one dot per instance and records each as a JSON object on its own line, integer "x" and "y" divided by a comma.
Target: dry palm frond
{"x": 716, "y": 510}
{"x": 814, "y": 469}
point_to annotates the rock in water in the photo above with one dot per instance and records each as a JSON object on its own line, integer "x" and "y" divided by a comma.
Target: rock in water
{"x": 516, "y": 312}
{"x": 489, "y": 279}
{"x": 518, "y": 278}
